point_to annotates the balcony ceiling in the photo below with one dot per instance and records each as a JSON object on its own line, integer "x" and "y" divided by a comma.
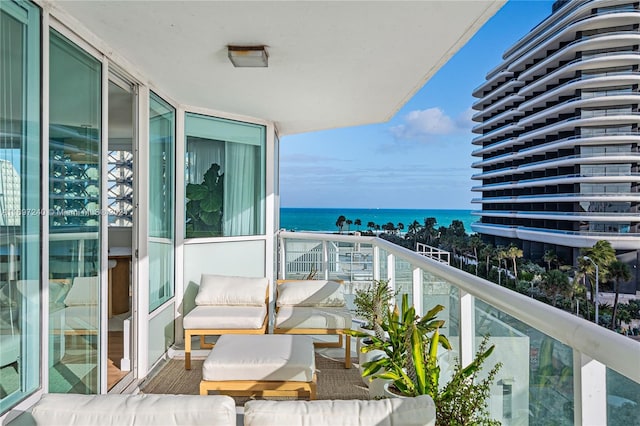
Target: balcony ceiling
{"x": 331, "y": 63}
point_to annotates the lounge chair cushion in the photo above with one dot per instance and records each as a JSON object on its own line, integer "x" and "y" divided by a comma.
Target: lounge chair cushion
{"x": 123, "y": 409}
{"x": 314, "y": 318}
{"x": 83, "y": 291}
{"x": 310, "y": 293}
{"x": 270, "y": 357}
{"x": 418, "y": 411}
{"x": 225, "y": 317}
{"x": 230, "y": 290}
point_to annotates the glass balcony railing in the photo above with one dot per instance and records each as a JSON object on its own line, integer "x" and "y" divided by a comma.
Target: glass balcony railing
{"x": 557, "y": 368}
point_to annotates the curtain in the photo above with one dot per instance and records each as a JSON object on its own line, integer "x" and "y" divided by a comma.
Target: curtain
{"x": 240, "y": 190}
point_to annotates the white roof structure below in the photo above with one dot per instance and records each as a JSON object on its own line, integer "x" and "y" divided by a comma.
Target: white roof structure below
{"x": 331, "y": 63}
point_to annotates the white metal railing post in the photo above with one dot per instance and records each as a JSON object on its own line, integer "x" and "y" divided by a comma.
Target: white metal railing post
{"x": 391, "y": 271}
{"x": 467, "y": 327}
{"x": 283, "y": 258}
{"x": 418, "y": 296}
{"x": 589, "y": 390}
{"x": 375, "y": 263}
{"x": 325, "y": 259}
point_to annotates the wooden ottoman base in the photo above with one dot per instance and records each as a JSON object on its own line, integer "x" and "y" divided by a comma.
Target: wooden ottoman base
{"x": 265, "y": 365}
{"x": 261, "y": 388}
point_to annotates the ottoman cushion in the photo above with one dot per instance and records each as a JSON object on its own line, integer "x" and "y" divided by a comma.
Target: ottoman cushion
{"x": 225, "y": 317}
{"x": 306, "y": 317}
{"x": 265, "y": 357}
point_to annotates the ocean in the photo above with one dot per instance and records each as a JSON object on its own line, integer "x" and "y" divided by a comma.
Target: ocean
{"x": 324, "y": 219}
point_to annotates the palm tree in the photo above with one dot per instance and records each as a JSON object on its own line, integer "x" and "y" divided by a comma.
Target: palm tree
{"x": 556, "y": 283}
{"x": 414, "y": 230}
{"x": 429, "y": 229}
{"x": 487, "y": 251}
{"x": 371, "y": 225}
{"x": 400, "y": 226}
{"x": 514, "y": 253}
{"x": 357, "y": 223}
{"x": 340, "y": 223}
{"x": 475, "y": 243}
{"x": 618, "y": 272}
{"x": 349, "y": 222}
{"x": 501, "y": 255}
{"x": 603, "y": 255}
{"x": 550, "y": 257}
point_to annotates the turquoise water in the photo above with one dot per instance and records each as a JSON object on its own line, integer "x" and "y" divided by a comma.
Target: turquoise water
{"x": 324, "y": 219}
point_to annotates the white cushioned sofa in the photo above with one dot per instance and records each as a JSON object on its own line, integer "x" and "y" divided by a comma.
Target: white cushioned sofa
{"x": 313, "y": 307}
{"x": 219, "y": 410}
{"x": 141, "y": 410}
{"x": 226, "y": 305}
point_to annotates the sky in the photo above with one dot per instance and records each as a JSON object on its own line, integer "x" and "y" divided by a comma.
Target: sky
{"x": 421, "y": 158}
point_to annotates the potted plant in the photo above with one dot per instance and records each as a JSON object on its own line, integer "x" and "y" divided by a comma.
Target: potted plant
{"x": 204, "y": 208}
{"x": 372, "y": 304}
{"x": 413, "y": 367}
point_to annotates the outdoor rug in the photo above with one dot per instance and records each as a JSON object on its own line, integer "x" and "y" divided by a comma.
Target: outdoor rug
{"x": 334, "y": 381}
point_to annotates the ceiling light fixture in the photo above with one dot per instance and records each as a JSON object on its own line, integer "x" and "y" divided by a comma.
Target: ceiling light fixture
{"x": 248, "y": 56}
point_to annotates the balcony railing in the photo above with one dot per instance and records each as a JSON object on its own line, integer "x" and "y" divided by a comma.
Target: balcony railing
{"x": 557, "y": 368}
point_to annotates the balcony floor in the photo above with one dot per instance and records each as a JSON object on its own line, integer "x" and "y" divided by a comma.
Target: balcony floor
{"x": 334, "y": 381}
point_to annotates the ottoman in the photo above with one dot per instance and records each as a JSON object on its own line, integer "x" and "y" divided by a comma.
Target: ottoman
{"x": 262, "y": 364}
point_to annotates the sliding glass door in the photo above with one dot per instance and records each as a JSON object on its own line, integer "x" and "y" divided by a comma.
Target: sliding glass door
{"x": 74, "y": 221}
{"x": 20, "y": 209}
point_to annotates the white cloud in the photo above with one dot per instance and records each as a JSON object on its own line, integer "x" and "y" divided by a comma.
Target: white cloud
{"x": 421, "y": 124}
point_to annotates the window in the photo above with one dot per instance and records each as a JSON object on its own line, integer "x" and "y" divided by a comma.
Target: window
{"x": 162, "y": 130}
{"x": 618, "y": 90}
{"x": 225, "y": 177}
{"x": 20, "y": 208}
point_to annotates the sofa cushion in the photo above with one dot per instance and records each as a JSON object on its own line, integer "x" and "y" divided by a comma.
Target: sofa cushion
{"x": 225, "y": 317}
{"x": 230, "y": 290}
{"x": 83, "y": 291}
{"x": 418, "y": 411}
{"x": 121, "y": 409}
{"x": 305, "y": 317}
{"x": 310, "y": 293}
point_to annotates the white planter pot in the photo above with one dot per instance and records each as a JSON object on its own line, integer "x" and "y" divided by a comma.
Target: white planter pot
{"x": 390, "y": 394}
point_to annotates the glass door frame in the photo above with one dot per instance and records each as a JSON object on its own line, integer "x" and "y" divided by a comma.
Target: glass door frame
{"x": 122, "y": 79}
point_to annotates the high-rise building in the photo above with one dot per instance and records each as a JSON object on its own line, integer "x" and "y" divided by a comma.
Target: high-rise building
{"x": 9, "y": 194}
{"x": 558, "y": 135}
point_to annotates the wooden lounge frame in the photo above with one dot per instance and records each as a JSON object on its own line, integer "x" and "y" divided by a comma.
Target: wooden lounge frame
{"x": 340, "y": 332}
{"x": 188, "y": 333}
{"x": 261, "y": 388}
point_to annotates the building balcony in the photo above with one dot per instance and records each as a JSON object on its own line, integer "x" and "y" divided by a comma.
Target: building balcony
{"x": 577, "y": 239}
{"x": 566, "y": 216}
{"x": 581, "y": 83}
{"x": 517, "y": 324}
{"x": 561, "y": 198}
{"x": 613, "y": 138}
{"x": 604, "y": 158}
{"x": 566, "y": 32}
{"x": 558, "y": 180}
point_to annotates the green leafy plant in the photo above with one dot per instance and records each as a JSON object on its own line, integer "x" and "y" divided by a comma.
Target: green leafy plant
{"x": 373, "y": 303}
{"x": 413, "y": 367}
{"x": 205, "y": 205}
